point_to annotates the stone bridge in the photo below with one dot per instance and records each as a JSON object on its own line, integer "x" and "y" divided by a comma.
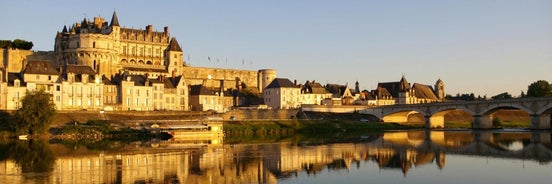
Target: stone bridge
{"x": 539, "y": 109}
{"x": 483, "y": 143}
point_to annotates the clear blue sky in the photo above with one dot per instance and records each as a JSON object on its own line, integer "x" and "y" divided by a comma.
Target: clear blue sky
{"x": 479, "y": 46}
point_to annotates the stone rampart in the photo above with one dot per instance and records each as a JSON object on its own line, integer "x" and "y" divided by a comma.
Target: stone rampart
{"x": 261, "y": 114}
{"x": 211, "y": 76}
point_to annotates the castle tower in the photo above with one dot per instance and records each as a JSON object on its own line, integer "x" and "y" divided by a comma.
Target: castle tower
{"x": 264, "y": 77}
{"x": 440, "y": 89}
{"x": 174, "y": 58}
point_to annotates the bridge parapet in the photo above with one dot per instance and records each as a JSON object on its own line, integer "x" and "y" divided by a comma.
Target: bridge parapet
{"x": 540, "y": 110}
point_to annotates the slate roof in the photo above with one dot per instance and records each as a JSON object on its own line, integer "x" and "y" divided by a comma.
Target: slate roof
{"x": 40, "y": 67}
{"x": 13, "y": 76}
{"x": 80, "y": 69}
{"x": 196, "y": 90}
{"x": 172, "y": 82}
{"x": 424, "y": 91}
{"x": 314, "y": 88}
{"x": 281, "y": 83}
{"x": 174, "y": 46}
{"x": 114, "y": 20}
{"x": 394, "y": 88}
{"x": 145, "y": 69}
{"x": 106, "y": 81}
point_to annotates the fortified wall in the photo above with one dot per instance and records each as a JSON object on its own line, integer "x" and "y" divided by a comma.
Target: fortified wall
{"x": 260, "y": 114}
{"x": 232, "y": 78}
{"x": 14, "y": 60}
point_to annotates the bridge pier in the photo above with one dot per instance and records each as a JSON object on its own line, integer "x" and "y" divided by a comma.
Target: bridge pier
{"x": 540, "y": 121}
{"x": 434, "y": 121}
{"x": 540, "y": 137}
{"x": 483, "y": 136}
{"x": 482, "y": 122}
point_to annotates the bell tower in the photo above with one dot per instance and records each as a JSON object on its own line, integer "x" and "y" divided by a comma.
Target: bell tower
{"x": 440, "y": 89}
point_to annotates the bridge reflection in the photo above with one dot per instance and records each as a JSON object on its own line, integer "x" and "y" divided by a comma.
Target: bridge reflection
{"x": 266, "y": 163}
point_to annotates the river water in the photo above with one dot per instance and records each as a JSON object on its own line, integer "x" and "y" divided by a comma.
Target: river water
{"x": 391, "y": 157}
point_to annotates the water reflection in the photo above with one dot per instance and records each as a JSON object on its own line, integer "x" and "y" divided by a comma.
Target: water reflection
{"x": 34, "y": 156}
{"x": 401, "y": 152}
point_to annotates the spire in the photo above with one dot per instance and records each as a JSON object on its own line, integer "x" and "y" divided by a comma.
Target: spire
{"x": 84, "y": 23}
{"x": 114, "y": 20}
{"x": 64, "y": 29}
{"x": 174, "y": 46}
{"x": 404, "y": 85}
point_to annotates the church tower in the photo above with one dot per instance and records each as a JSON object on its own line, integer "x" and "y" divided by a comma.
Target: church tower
{"x": 405, "y": 93}
{"x": 440, "y": 89}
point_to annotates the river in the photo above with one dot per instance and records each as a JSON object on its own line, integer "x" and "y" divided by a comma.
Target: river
{"x": 390, "y": 157}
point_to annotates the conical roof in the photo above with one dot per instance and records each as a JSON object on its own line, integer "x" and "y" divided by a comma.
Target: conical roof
{"x": 114, "y": 20}
{"x": 174, "y": 46}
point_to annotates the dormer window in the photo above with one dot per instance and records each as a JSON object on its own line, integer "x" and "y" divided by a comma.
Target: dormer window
{"x": 17, "y": 83}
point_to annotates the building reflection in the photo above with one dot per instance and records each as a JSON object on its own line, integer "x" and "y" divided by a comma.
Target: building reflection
{"x": 207, "y": 162}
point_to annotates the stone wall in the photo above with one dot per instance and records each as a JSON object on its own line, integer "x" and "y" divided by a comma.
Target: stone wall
{"x": 14, "y": 60}
{"x": 262, "y": 114}
{"x": 211, "y": 76}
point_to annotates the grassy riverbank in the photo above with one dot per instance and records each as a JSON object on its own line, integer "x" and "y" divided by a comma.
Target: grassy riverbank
{"x": 276, "y": 130}
{"x": 95, "y": 130}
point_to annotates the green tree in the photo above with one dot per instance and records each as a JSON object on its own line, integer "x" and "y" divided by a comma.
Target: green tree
{"x": 540, "y": 88}
{"x": 36, "y": 113}
{"x": 504, "y": 95}
{"x": 22, "y": 44}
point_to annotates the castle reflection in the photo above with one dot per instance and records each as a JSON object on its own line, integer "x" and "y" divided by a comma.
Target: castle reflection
{"x": 205, "y": 162}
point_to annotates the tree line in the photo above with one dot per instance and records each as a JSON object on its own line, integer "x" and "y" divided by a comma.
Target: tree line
{"x": 540, "y": 88}
{"x": 16, "y": 44}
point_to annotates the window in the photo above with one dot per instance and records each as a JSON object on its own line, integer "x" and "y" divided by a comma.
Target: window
{"x": 58, "y": 88}
{"x": 93, "y": 44}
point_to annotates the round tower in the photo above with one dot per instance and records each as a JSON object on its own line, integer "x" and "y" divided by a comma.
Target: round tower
{"x": 440, "y": 89}
{"x": 264, "y": 77}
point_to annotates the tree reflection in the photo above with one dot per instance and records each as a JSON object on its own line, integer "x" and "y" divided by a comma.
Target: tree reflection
{"x": 31, "y": 156}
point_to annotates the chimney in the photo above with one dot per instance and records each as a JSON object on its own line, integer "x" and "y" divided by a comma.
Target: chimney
{"x": 166, "y": 33}
{"x": 149, "y": 29}
{"x": 295, "y": 82}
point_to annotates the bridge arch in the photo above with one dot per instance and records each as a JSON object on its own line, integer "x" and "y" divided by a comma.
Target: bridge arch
{"x": 437, "y": 119}
{"x": 487, "y": 117}
{"x": 492, "y": 109}
{"x": 404, "y": 117}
